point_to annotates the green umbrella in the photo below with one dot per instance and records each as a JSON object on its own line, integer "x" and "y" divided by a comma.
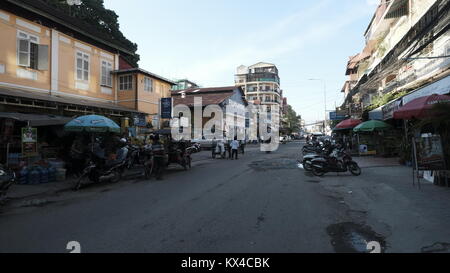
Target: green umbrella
{"x": 92, "y": 124}
{"x": 372, "y": 125}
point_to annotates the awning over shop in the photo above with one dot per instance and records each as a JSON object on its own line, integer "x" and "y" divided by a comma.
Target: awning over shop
{"x": 440, "y": 87}
{"x": 420, "y": 107}
{"x": 347, "y": 124}
{"x": 36, "y": 120}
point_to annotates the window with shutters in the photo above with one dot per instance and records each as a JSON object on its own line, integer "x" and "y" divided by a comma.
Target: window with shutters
{"x": 27, "y": 50}
{"x": 82, "y": 66}
{"x": 106, "y": 74}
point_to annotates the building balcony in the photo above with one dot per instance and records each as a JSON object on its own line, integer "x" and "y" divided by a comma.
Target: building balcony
{"x": 270, "y": 102}
{"x": 263, "y": 77}
{"x": 271, "y": 91}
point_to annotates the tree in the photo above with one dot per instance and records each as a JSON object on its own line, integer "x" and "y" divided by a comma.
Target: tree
{"x": 293, "y": 120}
{"x": 94, "y": 13}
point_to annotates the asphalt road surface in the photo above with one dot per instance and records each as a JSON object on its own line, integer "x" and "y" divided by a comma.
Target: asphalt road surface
{"x": 259, "y": 203}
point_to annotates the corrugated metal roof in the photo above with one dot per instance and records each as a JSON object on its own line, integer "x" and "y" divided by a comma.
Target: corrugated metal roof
{"x": 207, "y": 99}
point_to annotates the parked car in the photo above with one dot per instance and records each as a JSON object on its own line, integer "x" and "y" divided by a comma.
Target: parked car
{"x": 205, "y": 144}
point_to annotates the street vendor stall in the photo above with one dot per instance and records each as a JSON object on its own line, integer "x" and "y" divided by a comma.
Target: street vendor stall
{"x": 370, "y": 137}
{"x": 344, "y": 131}
{"x": 427, "y": 123}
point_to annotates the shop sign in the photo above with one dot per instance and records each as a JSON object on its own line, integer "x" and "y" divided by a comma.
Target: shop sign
{"x": 29, "y": 142}
{"x": 429, "y": 153}
{"x": 166, "y": 108}
{"x": 139, "y": 120}
{"x": 335, "y": 116}
{"x": 390, "y": 108}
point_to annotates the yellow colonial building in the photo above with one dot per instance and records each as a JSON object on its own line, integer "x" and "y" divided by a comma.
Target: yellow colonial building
{"x": 51, "y": 63}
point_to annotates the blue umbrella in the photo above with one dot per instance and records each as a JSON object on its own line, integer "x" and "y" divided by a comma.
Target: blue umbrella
{"x": 92, "y": 124}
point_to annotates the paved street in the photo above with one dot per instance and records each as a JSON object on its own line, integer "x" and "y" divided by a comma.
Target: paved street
{"x": 260, "y": 203}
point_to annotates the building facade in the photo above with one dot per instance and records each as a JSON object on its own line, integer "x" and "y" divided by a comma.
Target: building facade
{"x": 407, "y": 49}
{"x": 261, "y": 84}
{"x": 230, "y": 98}
{"x": 52, "y": 63}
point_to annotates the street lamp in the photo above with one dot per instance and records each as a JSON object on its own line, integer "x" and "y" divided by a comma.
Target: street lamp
{"x": 325, "y": 99}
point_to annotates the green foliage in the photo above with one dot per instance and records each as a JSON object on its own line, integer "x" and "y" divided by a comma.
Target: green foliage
{"x": 383, "y": 99}
{"x": 293, "y": 120}
{"x": 94, "y": 13}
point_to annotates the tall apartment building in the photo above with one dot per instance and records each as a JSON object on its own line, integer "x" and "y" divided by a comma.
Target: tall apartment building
{"x": 261, "y": 84}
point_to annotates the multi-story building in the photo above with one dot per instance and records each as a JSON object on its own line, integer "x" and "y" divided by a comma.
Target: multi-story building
{"x": 261, "y": 84}
{"x": 54, "y": 64}
{"x": 230, "y": 99}
{"x": 406, "y": 55}
{"x": 54, "y": 67}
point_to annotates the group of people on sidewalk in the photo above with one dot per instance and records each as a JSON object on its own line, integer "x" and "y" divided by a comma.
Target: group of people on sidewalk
{"x": 232, "y": 147}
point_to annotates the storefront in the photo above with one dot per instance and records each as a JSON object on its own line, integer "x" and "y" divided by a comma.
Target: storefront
{"x": 27, "y": 138}
{"x": 46, "y": 116}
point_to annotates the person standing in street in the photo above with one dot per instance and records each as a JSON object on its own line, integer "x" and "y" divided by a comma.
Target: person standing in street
{"x": 158, "y": 157}
{"x": 234, "y": 149}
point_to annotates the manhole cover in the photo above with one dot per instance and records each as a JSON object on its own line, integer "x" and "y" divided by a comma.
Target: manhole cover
{"x": 353, "y": 238}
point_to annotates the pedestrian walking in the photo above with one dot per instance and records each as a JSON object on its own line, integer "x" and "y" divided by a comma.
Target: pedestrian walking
{"x": 234, "y": 149}
{"x": 243, "y": 143}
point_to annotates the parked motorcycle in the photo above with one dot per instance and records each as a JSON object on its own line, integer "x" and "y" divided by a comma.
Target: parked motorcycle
{"x": 308, "y": 158}
{"x": 325, "y": 150}
{"x": 7, "y": 179}
{"x": 134, "y": 156}
{"x": 339, "y": 162}
{"x": 196, "y": 148}
{"x": 97, "y": 172}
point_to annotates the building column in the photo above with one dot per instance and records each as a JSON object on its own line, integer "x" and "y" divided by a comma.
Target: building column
{"x": 54, "y": 72}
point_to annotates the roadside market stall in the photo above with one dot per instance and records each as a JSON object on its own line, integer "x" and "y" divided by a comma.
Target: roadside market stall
{"x": 427, "y": 127}
{"x": 344, "y": 132}
{"x": 370, "y": 135}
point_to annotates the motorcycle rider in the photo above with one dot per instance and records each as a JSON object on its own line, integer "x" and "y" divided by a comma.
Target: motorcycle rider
{"x": 121, "y": 153}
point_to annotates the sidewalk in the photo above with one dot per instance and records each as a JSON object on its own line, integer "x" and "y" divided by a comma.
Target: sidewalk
{"x": 374, "y": 162}
{"x": 19, "y": 192}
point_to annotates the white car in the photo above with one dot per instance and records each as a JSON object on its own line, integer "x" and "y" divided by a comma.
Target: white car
{"x": 204, "y": 143}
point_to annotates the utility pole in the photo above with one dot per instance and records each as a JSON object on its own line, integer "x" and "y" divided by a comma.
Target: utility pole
{"x": 325, "y": 101}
